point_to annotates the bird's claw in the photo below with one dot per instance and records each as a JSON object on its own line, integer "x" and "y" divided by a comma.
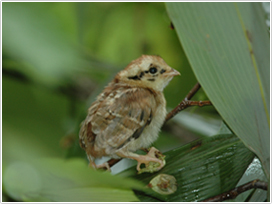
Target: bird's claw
{"x": 153, "y": 160}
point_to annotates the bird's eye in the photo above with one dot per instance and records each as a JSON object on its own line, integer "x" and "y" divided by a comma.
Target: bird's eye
{"x": 152, "y": 70}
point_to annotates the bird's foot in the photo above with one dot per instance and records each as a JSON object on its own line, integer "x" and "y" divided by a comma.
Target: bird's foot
{"x": 153, "y": 160}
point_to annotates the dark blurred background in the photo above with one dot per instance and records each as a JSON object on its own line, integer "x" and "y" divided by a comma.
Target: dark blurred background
{"x": 58, "y": 56}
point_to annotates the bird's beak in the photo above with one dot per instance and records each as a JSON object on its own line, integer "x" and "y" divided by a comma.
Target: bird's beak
{"x": 173, "y": 72}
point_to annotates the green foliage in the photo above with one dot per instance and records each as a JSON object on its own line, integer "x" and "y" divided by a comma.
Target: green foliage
{"x": 65, "y": 181}
{"x": 60, "y": 41}
{"x": 201, "y": 169}
{"x": 32, "y": 121}
{"x": 58, "y": 56}
{"x": 229, "y": 53}
{"x": 254, "y": 171}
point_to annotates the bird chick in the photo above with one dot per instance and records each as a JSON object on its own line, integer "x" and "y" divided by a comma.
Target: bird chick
{"x": 129, "y": 113}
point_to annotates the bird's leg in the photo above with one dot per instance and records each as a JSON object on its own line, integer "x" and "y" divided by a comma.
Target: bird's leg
{"x": 104, "y": 165}
{"x": 144, "y": 159}
{"x": 153, "y": 152}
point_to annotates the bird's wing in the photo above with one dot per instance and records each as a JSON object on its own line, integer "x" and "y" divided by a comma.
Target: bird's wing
{"x": 121, "y": 117}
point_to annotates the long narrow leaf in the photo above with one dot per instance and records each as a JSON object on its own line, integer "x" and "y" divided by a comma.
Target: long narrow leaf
{"x": 203, "y": 168}
{"x": 227, "y": 45}
{"x": 60, "y": 180}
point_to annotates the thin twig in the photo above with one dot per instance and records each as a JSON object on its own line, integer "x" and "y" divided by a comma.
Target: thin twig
{"x": 193, "y": 91}
{"x": 186, "y": 102}
{"x": 232, "y": 194}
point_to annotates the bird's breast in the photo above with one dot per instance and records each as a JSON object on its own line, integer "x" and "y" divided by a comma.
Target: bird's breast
{"x": 151, "y": 132}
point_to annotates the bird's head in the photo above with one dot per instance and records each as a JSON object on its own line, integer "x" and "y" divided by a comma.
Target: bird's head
{"x": 148, "y": 71}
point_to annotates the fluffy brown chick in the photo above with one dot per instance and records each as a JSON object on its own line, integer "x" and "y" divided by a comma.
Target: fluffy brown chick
{"x": 129, "y": 113}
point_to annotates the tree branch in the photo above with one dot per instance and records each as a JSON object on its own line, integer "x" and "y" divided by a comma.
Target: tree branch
{"x": 186, "y": 102}
{"x": 232, "y": 194}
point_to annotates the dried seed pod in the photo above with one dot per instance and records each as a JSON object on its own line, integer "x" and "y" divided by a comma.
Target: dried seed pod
{"x": 163, "y": 184}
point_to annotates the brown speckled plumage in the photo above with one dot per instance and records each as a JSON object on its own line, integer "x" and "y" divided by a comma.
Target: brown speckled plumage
{"x": 129, "y": 113}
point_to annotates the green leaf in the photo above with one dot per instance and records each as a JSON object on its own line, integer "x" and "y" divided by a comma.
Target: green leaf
{"x": 61, "y": 180}
{"x": 203, "y": 168}
{"x": 254, "y": 171}
{"x": 44, "y": 50}
{"x": 33, "y": 121}
{"x": 227, "y": 45}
